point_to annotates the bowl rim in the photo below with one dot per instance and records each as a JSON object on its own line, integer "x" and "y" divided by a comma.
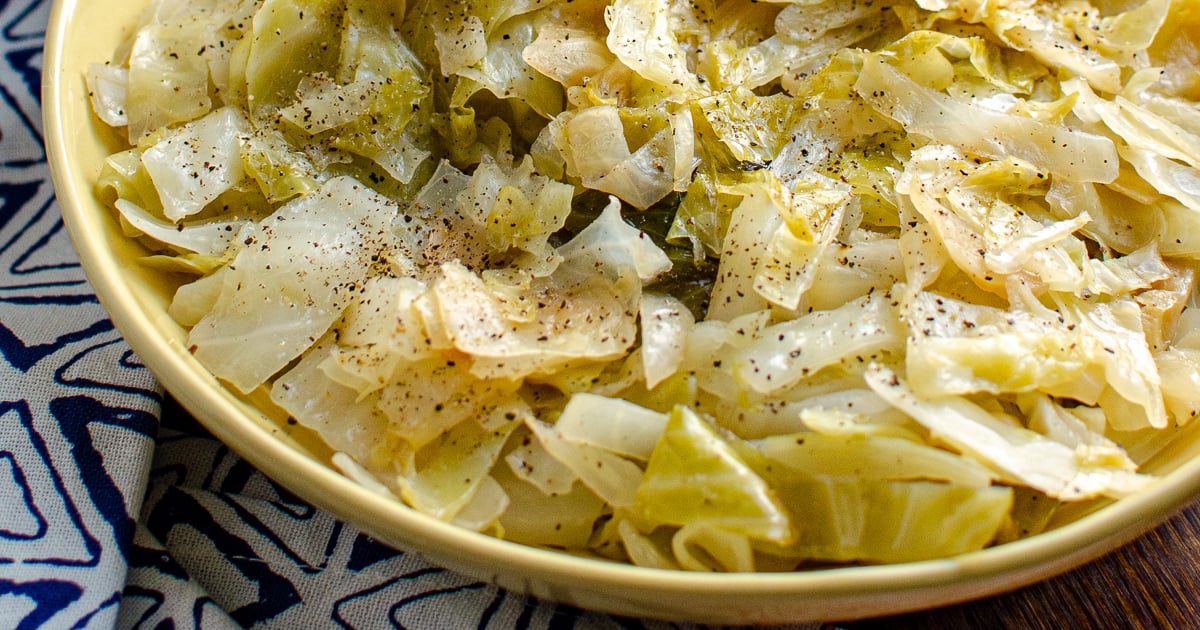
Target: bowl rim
{"x": 969, "y": 576}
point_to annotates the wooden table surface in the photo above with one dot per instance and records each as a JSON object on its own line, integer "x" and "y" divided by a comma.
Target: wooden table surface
{"x": 1153, "y": 582}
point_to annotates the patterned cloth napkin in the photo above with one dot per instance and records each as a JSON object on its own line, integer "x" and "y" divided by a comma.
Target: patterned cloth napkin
{"x": 117, "y": 510}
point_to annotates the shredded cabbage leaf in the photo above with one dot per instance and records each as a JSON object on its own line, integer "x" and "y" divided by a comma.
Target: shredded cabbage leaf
{"x": 711, "y": 286}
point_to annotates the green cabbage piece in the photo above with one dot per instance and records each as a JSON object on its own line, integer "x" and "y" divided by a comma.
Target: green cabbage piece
{"x": 280, "y": 171}
{"x": 286, "y": 48}
{"x": 454, "y": 469}
{"x": 695, "y": 476}
{"x": 850, "y": 519}
{"x": 872, "y": 457}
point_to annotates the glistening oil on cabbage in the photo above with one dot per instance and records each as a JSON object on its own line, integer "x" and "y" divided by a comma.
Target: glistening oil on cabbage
{"x": 710, "y": 285}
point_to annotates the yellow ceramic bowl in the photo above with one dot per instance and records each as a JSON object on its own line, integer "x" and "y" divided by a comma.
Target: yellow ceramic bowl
{"x": 85, "y": 31}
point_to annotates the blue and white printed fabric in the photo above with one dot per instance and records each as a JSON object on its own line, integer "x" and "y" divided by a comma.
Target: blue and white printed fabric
{"x": 73, "y": 399}
{"x": 115, "y": 509}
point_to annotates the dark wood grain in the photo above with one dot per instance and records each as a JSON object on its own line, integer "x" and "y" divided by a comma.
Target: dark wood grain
{"x": 1153, "y": 582}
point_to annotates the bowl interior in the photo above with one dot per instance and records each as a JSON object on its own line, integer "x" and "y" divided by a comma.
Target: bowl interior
{"x": 83, "y": 32}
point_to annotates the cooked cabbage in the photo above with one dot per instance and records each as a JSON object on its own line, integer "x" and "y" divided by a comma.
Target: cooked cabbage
{"x": 714, "y": 286}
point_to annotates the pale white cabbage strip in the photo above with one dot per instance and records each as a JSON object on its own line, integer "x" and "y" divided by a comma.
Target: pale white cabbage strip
{"x": 991, "y": 239}
{"x": 777, "y": 236}
{"x": 641, "y": 35}
{"x": 337, "y": 413}
{"x": 1057, "y": 149}
{"x": 1080, "y": 42}
{"x": 1117, "y": 340}
{"x": 1142, "y": 129}
{"x": 852, "y": 334}
{"x": 568, "y": 55}
{"x": 710, "y": 347}
{"x": 211, "y": 238}
{"x": 612, "y": 247}
{"x": 1055, "y": 44}
{"x": 595, "y": 146}
{"x": 1179, "y": 369}
{"x": 861, "y": 414}
{"x": 611, "y": 476}
{"x": 854, "y": 267}
{"x": 462, "y": 47}
{"x": 380, "y": 330}
{"x": 1012, "y": 450}
{"x": 165, "y": 87}
{"x": 757, "y": 65}
{"x": 483, "y": 510}
{"x": 350, "y": 467}
{"x": 612, "y": 424}
{"x": 754, "y": 220}
{"x": 194, "y": 165}
{"x": 531, "y": 462}
{"x": 325, "y": 104}
{"x": 1081, "y": 428}
{"x": 106, "y": 90}
{"x": 296, "y": 273}
{"x": 592, "y": 320}
{"x": 666, "y": 325}
{"x": 1170, "y": 177}
{"x": 809, "y": 22}
{"x": 813, "y": 214}
{"x": 426, "y": 398}
{"x": 959, "y": 348}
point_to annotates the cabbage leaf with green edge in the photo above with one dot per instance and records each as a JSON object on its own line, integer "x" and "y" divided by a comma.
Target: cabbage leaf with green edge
{"x": 694, "y": 477}
{"x": 852, "y": 519}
